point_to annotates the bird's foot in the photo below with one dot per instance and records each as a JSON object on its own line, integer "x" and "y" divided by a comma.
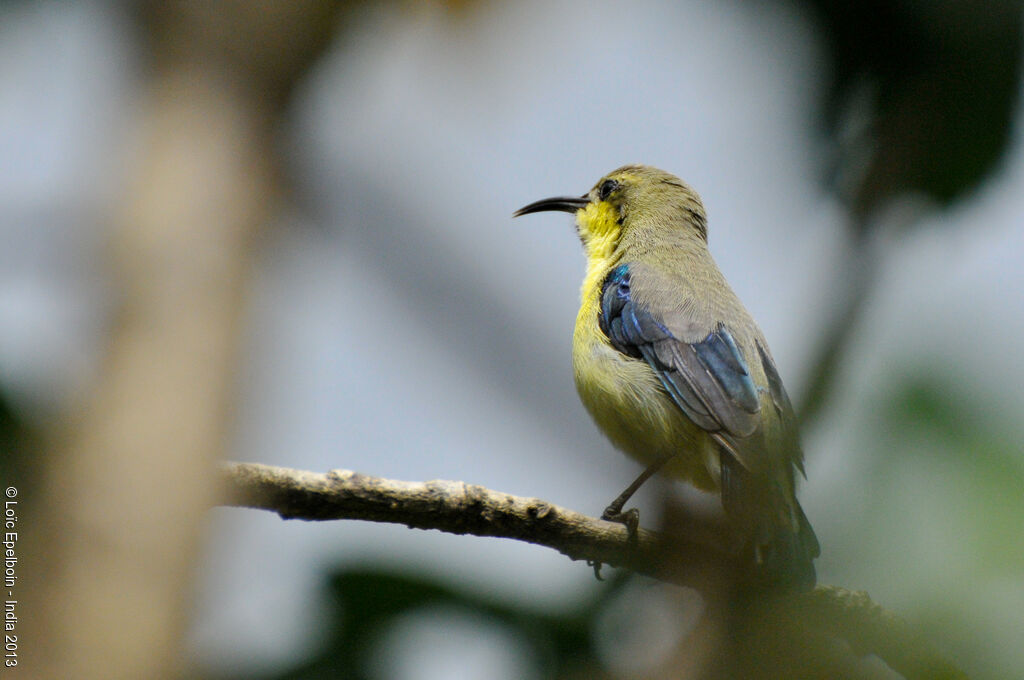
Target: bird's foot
{"x": 631, "y": 518}
{"x": 614, "y": 513}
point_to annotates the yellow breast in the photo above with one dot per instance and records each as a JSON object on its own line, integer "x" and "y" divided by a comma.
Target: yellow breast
{"x": 627, "y": 401}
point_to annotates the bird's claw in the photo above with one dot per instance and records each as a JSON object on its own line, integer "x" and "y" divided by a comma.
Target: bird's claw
{"x": 631, "y": 518}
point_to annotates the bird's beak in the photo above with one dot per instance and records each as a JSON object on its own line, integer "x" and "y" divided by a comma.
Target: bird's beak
{"x": 560, "y": 203}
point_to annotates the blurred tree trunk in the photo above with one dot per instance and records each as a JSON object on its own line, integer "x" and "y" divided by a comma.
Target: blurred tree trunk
{"x": 110, "y": 559}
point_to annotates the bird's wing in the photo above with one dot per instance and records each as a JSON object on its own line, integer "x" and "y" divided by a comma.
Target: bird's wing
{"x": 709, "y": 379}
{"x": 788, "y": 434}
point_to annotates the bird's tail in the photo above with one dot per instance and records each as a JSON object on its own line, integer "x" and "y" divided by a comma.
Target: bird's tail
{"x": 778, "y": 538}
{"x": 787, "y": 558}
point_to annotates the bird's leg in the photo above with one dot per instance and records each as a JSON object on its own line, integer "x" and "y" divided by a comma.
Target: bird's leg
{"x": 631, "y": 517}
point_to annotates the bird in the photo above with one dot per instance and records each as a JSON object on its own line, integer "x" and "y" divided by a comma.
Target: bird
{"x": 676, "y": 373}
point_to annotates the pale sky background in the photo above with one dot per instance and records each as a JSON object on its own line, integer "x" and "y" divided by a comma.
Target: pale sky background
{"x": 404, "y": 325}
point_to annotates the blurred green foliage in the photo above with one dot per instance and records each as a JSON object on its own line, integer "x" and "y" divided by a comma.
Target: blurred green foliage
{"x": 946, "y": 481}
{"x": 922, "y": 94}
{"x": 16, "y": 446}
{"x": 367, "y": 604}
{"x": 920, "y": 100}
{"x": 974, "y": 459}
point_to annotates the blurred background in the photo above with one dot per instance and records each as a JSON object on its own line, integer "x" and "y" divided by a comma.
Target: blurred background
{"x": 281, "y": 232}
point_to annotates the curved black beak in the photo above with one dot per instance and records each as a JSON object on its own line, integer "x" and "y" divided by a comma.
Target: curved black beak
{"x": 559, "y": 203}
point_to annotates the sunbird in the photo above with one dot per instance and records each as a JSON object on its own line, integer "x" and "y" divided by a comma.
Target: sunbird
{"x": 674, "y": 370}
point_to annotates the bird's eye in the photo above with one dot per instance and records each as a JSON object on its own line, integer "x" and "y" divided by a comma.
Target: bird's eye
{"x": 606, "y": 189}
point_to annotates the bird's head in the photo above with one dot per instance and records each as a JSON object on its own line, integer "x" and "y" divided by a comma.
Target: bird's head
{"x": 632, "y": 199}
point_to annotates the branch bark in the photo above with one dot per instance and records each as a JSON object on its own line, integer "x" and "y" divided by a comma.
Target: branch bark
{"x": 791, "y": 631}
{"x": 460, "y": 508}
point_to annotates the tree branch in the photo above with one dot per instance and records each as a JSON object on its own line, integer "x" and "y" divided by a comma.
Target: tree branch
{"x": 460, "y": 508}
{"x": 792, "y": 624}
